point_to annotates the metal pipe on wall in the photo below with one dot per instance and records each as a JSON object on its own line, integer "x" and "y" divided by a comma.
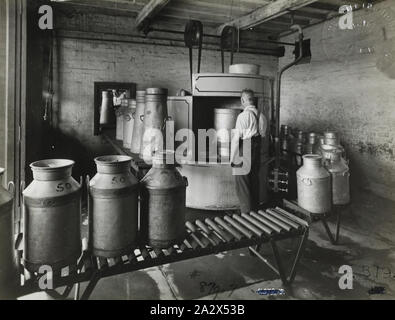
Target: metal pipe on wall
{"x": 278, "y": 93}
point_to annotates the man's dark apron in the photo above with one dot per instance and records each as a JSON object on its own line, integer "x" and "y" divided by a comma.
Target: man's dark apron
{"x": 247, "y": 186}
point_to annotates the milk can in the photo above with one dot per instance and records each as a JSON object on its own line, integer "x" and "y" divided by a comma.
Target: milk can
{"x": 314, "y": 185}
{"x": 286, "y": 138}
{"x": 163, "y": 214}
{"x": 114, "y": 199}
{"x": 312, "y": 145}
{"x": 298, "y": 147}
{"x": 329, "y": 151}
{"x": 331, "y": 138}
{"x": 321, "y": 140}
{"x": 107, "y": 115}
{"x": 8, "y": 273}
{"x": 51, "y": 216}
{"x": 128, "y": 123}
{"x": 138, "y": 122}
{"x": 155, "y": 116}
{"x": 340, "y": 174}
{"x": 119, "y": 113}
{"x": 224, "y": 122}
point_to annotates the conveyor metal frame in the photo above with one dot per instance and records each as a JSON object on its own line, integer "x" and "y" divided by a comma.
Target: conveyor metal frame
{"x": 333, "y": 237}
{"x": 91, "y": 269}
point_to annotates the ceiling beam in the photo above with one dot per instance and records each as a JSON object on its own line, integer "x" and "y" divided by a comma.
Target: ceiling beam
{"x": 266, "y": 13}
{"x": 151, "y": 9}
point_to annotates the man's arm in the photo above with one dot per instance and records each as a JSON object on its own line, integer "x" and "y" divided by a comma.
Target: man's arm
{"x": 234, "y": 147}
{"x": 237, "y": 134}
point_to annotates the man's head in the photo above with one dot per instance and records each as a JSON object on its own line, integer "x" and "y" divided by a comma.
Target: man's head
{"x": 247, "y": 98}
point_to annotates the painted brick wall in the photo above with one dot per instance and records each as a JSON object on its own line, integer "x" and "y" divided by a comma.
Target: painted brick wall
{"x": 81, "y": 63}
{"x": 349, "y": 86}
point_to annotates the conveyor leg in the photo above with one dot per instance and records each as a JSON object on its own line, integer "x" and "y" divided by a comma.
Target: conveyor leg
{"x": 264, "y": 260}
{"x": 277, "y": 257}
{"x": 280, "y": 269}
{"x": 256, "y": 248}
{"x": 54, "y": 294}
{"x": 68, "y": 289}
{"x": 333, "y": 239}
{"x": 91, "y": 285}
{"x": 77, "y": 291}
{"x": 299, "y": 253}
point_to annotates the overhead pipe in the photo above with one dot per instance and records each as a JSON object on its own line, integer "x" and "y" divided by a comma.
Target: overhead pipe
{"x": 278, "y": 93}
{"x": 206, "y": 35}
{"x": 248, "y": 50}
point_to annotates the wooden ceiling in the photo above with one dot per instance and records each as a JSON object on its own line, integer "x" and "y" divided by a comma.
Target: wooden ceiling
{"x": 268, "y": 17}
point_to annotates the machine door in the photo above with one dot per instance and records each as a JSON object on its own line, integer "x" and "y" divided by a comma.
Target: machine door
{"x": 180, "y": 112}
{"x": 223, "y": 84}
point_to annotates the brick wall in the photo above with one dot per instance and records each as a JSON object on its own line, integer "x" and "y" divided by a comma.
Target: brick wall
{"x": 81, "y": 63}
{"x": 349, "y": 86}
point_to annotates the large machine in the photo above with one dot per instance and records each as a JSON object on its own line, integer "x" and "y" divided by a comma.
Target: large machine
{"x": 211, "y": 184}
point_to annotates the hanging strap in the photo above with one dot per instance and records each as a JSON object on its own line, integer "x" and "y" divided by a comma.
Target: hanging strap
{"x": 257, "y": 117}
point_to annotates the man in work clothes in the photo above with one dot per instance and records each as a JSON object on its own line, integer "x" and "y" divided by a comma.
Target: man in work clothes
{"x": 251, "y": 126}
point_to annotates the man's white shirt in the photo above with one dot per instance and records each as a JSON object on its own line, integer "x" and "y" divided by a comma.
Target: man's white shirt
{"x": 247, "y": 126}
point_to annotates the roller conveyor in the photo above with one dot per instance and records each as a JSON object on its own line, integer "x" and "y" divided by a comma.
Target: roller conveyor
{"x": 211, "y": 236}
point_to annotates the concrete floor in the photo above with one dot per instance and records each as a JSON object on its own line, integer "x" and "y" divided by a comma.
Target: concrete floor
{"x": 367, "y": 244}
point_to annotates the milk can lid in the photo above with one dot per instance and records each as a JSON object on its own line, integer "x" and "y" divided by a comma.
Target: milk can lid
{"x": 158, "y": 91}
{"x": 51, "y": 164}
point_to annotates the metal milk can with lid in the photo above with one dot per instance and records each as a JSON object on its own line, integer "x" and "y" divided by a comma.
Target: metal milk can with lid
{"x": 138, "y": 122}
{"x": 155, "y": 116}
{"x": 312, "y": 144}
{"x": 52, "y": 215}
{"x": 128, "y": 122}
{"x": 119, "y": 113}
{"x": 331, "y": 138}
{"x": 107, "y": 115}
{"x": 224, "y": 121}
{"x": 298, "y": 146}
{"x": 340, "y": 174}
{"x": 114, "y": 207}
{"x": 314, "y": 185}
{"x": 163, "y": 214}
{"x": 285, "y": 139}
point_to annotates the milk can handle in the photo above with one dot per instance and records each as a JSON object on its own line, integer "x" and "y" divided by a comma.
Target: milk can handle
{"x": 142, "y": 118}
{"x": 11, "y": 188}
{"x": 128, "y": 118}
{"x": 134, "y": 115}
{"x": 307, "y": 181}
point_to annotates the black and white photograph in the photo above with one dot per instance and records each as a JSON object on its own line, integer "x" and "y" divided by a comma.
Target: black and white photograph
{"x": 197, "y": 155}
